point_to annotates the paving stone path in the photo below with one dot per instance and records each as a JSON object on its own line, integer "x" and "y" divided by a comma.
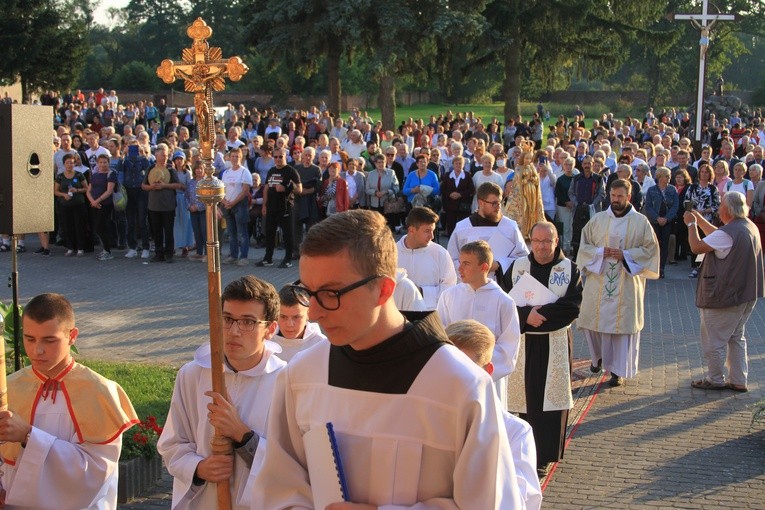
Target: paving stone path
{"x": 653, "y": 443}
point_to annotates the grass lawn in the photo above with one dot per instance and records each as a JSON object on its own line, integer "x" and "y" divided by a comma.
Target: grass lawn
{"x": 489, "y": 110}
{"x": 149, "y": 387}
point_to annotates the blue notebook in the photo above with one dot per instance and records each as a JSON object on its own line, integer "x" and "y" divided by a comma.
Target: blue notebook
{"x": 325, "y": 467}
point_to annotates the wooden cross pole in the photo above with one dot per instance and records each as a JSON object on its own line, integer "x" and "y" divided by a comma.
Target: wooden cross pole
{"x": 203, "y": 70}
{"x": 704, "y": 22}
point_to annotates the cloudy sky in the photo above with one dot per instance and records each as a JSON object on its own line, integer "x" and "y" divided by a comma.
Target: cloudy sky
{"x": 101, "y": 15}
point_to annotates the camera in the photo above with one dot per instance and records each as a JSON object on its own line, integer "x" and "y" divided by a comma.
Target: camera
{"x": 690, "y": 205}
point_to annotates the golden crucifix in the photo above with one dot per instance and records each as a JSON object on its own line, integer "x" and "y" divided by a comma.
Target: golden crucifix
{"x": 203, "y": 70}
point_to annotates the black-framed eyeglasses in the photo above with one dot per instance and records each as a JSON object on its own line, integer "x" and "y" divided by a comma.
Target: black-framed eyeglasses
{"x": 242, "y": 324}
{"x": 327, "y": 298}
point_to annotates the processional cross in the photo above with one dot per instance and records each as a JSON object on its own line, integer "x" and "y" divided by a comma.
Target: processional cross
{"x": 204, "y": 70}
{"x": 704, "y": 22}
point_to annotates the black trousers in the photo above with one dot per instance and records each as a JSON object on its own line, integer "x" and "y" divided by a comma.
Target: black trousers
{"x": 101, "y": 220}
{"x": 273, "y": 221}
{"x": 581, "y": 217}
{"x": 549, "y": 427}
{"x": 162, "y": 231}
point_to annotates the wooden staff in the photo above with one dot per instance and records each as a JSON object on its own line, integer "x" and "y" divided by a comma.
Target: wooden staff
{"x": 203, "y": 70}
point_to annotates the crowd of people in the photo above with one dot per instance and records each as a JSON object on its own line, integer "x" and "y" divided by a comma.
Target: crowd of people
{"x": 543, "y": 233}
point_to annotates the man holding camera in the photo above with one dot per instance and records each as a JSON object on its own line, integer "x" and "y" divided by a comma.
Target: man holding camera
{"x": 730, "y": 282}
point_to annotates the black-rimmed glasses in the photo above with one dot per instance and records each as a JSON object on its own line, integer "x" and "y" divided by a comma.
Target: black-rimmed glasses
{"x": 327, "y": 298}
{"x": 242, "y": 324}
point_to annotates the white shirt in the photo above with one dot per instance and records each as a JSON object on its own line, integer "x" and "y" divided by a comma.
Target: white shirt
{"x": 351, "y": 181}
{"x": 234, "y": 180}
{"x": 438, "y": 446}
{"x": 720, "y": 242}
{"x": 54, "y": 463}
{"x": 429, "y": 267}
{"x": 492, "y": 307}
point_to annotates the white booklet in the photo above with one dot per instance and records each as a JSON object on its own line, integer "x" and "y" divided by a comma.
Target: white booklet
{"x": 527, "y": 291}
{"x": 325, "y": 469}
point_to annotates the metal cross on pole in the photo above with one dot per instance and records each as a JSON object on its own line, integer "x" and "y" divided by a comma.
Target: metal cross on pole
{"x": 203, "y": 70}
{"x": 704, "y": 22}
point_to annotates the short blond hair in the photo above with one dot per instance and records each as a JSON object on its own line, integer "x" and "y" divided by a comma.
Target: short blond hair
{"x": 472, "y": 336}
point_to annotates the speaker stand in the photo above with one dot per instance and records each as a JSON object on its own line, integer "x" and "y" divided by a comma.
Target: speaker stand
{"x": 14, "y": 284}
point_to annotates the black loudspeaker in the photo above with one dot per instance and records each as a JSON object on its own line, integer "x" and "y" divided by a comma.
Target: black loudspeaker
{"x": 27, "y": 172}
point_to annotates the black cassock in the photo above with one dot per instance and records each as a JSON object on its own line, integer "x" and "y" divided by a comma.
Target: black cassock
{"x": 549, "y": 427}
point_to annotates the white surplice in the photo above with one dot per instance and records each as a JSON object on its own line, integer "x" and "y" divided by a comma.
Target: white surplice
{"x": 56, "y": 471}
{"x": 441, "y": 445}
{"x": 492, "y": 307}
{"x": 406, "y": 295}
{"x": 505, "y": 239}
{"x": 185, "y": 440}
{"x": 525, "y": 459}
{"x": 291, "y": 346}
{"x": 430, "y": 268}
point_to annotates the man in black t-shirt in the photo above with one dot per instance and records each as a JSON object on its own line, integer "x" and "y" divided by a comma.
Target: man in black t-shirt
{"x": 282, "y": 183}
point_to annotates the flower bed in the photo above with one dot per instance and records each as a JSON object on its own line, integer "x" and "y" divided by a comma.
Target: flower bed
{"x": 140, "y": 464}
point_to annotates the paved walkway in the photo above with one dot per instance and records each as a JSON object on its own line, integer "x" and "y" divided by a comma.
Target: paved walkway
{"x": 654, "y": 443}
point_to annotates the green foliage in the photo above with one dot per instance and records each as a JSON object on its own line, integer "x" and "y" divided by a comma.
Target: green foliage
{"x": 98, "y": 69}
{"x": 458, "y": 50}
{"x": 6, "y": 314}
{"x": 44, "y": 43}
{"x": 758, "y": 98}
{"x": 135, "y": 76}
{"x": 758, "y": 411}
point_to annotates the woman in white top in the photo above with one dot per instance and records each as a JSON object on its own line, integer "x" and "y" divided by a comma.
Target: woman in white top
{"x": 643, "y": 177}
{"x": 743, "y": 186}
{"x": 486, "y": 175}
{"x": 547, "y": 187}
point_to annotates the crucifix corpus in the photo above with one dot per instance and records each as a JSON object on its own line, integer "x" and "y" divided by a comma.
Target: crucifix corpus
{"x": 703, "y": 22}
{"x": 203, "y": 70}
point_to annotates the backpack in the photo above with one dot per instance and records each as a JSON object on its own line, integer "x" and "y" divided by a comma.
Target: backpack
{"x": 135, "y": 170}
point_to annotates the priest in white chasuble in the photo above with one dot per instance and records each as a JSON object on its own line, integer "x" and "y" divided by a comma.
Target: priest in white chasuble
{"x": 618, "y": 253}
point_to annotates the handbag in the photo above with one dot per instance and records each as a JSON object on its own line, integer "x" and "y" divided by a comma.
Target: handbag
{"x": 119, "y": 197}
{"x": 395, "y": 205}
{"x": 464, "y": 206}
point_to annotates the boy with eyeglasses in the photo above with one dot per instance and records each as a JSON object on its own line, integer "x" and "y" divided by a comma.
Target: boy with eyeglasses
{"x": 250, "y": 311}
{"x": 416, "y": 422}
{"x": 488, "y": 224}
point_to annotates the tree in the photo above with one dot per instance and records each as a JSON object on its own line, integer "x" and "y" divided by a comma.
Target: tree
{"x": 536, "y": 39}
{"x": 135, "y": 76}
{"x": 408, "y": 38}
{"x": 45, "y": 43}
{"x": 301, "y": 34}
